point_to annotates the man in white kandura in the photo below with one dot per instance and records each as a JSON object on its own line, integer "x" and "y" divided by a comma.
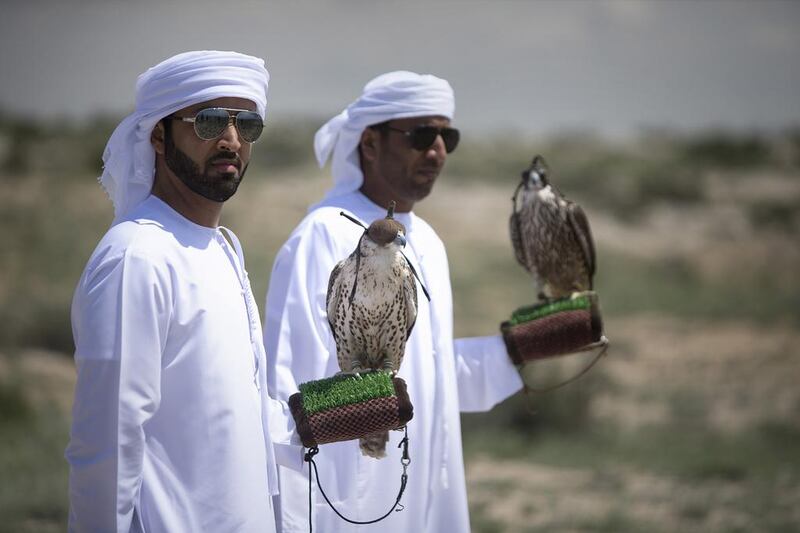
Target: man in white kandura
{"x": 390, "y": 144}
{"x": 172, "y": 427}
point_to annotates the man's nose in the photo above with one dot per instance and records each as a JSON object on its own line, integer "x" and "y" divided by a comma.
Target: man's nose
{"x": 437, "y": 148}
{"x": 230, "y": 139}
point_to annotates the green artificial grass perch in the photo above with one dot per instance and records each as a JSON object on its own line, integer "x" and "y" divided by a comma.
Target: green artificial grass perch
{"x": 533, "y": 312}
{"x": 345, "y": 389}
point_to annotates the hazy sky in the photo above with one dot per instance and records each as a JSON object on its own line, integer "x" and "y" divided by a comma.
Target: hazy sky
{"x": 538, "y": 67}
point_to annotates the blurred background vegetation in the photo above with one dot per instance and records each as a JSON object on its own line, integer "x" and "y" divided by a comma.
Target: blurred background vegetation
{"x": 692, "y": 421}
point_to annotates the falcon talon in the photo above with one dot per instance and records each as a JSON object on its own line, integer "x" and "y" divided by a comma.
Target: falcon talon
{"x": 355, "y": 371}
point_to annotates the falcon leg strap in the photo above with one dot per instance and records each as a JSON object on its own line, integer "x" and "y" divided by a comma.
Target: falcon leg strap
{"x": 397, "y": 507}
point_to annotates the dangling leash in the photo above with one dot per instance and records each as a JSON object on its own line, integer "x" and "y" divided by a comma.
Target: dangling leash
{"x": 602, "y": 344}
{"x": 405, "y": 460}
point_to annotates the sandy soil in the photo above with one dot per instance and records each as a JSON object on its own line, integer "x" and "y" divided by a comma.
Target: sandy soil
{"x": 520, "y": 496}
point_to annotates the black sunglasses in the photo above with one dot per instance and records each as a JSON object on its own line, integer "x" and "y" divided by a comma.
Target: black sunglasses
{"x": 211, "y": 122}
{"x": 423, "y": 137}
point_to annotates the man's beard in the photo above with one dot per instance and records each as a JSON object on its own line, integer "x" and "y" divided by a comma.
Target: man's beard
{"x": 217, "y": 189}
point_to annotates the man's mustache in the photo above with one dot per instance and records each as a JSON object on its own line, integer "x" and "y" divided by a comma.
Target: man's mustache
{"x": 226, "y": 157}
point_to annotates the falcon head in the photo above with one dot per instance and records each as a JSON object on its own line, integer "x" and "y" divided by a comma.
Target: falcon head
{"x": 387, "y": 232}
{"x": 535, "y": 177}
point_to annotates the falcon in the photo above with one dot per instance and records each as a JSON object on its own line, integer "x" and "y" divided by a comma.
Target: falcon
{"x": 372, "y": 307}
{"x": 551, "y": 236}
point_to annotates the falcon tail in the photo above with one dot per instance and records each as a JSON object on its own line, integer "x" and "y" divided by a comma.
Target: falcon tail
{"x": 374, "y": 445}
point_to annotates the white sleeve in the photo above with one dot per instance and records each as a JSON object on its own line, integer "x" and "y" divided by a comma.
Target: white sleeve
{"x": 287, "y": 447}
{"x": 299, "y": 343}
{"x": 120, "y": 316}
{"x": 486, "y": 374}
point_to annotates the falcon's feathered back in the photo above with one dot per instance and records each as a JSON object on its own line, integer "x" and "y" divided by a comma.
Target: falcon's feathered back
{"x": 551, "y": 236}
{"x": 372, "y": 307}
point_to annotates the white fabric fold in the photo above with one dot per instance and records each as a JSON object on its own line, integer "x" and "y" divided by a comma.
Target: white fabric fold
{"x": 178, "y": 82}
{"x": 399, "y": 94}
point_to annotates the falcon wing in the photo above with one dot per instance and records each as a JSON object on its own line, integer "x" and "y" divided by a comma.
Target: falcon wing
{"x": 516, "y": 239}
{"x": 334, "y": 293}
{"x": 410, "y": 296}
{"x": 580, "y": 227}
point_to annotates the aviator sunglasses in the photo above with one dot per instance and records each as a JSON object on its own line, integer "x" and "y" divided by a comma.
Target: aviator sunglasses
{"x": 423, "y": 137}
{"x": 211, "y": 123}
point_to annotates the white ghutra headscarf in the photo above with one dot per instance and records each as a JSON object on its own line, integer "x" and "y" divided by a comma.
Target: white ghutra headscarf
{"x": 394, "y": 95}
{"x": 175, "y": 83}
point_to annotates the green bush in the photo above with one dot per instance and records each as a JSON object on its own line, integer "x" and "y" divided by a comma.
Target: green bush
{"x": 777, "y": 215}
{"x": 14, "y": 406}
{"x": 726, "y": 150}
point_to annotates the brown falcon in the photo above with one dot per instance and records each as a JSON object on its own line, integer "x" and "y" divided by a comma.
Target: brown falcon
{"x": 551, "y": 236}
{"x": 372, "y": 307}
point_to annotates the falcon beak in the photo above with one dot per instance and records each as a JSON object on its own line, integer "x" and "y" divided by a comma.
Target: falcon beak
{"x": 400, "y": 240}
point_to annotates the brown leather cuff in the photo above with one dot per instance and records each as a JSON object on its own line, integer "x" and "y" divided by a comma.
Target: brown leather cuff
{"x": 351, "y": 420}
{"x": 553, "y": 329}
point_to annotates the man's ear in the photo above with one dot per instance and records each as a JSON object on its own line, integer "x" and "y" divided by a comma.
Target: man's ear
{"x": 370, "y": 139}
{"x": 157, "y": 138}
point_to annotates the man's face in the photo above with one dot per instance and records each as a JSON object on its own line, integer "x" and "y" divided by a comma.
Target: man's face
{"x": 212, "y": 168}
{"x": 407, "y": 174}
